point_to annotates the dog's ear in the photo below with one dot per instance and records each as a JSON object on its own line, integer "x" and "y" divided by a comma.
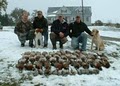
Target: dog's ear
{"x": 97, "y": 31}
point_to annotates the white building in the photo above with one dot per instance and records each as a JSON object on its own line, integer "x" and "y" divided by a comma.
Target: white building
{"x": 69, "y": 13}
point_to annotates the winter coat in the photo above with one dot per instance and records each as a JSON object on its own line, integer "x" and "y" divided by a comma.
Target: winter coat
{"x": 58, "y": 27}
{"x": 22, "y": 27}
{"x": 75, "y": 29}
{"x": 40, "y": 23}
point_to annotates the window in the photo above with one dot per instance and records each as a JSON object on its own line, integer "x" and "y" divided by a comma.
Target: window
{"x": 73, "y": 18}
{"x": 79, "y": 11}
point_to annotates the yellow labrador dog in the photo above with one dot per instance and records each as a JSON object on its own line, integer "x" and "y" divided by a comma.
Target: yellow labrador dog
{"x": 96, "y": 39}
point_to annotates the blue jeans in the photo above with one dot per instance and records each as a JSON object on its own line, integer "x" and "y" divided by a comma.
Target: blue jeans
{"x": 45, "y": 34}
{"x": 82, "y": 38}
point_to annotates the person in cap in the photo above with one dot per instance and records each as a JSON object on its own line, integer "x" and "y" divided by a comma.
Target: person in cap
{"x": 40, "y": 22}
{"x": 24, "y": 30}
{"x": 77, "y": 33}
{"x": 59, "y": 32}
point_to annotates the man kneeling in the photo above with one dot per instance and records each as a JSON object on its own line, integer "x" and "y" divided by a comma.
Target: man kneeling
{"x": 59, "y": 32}
{"x": 24, "y": 30}
{"x": 76, "y": 32}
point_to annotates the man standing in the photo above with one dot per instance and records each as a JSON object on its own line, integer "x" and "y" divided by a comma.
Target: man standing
{"x": 59, "y": 32}
{"x": 76, "y": 32}
{"x": 41, "y": 23}
{"x": 24, "y": 30}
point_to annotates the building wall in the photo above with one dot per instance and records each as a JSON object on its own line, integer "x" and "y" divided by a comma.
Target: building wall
{"x": 87, "y": 20}
{"x": 70, "y": 19}
{"x": 69, "y": 16}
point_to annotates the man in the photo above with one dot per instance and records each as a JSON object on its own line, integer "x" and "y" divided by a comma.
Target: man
{"x": 76, "y": 32}
{"x": 41, "y": 23}
{"x": 24, "y": 30}
{"x": 59, "y": 32}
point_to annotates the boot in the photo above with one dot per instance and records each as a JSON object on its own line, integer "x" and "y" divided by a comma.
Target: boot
{"x": 22, "y": 44}
{"x": 31, "y": 43}
{"x": 54, "y": 47}
{"x": 61, "y": 45}
{"x": 45, "y": 45}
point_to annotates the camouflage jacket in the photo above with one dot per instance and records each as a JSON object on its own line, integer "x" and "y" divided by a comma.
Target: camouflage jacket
{"x": 22, "y": 27}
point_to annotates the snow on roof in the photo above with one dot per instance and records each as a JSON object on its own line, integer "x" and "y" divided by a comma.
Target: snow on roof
{"x": 51, "y": 15}
{"x": 55, "y": 11}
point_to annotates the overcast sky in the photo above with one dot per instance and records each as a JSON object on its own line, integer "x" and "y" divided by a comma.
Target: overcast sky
{"x": 105, "y": 10}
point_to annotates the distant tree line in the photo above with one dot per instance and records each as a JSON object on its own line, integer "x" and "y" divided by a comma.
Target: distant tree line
{"x": 15, "y": 15}
{"x": 100, "y": 23}
{"x": 6, "y": 20}
{"x": 12, "y": 18}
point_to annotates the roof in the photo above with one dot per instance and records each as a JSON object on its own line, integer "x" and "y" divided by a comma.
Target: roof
{"x": 87, "y": 9}
{"x": 52, "y": 15}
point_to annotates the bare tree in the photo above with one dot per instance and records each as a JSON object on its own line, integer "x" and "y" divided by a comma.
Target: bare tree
{"x": 16, "y": 14}
{"x": 33, "y": 15}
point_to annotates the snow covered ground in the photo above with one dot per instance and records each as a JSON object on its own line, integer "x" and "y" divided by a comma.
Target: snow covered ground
{"x": 107, "y": 31}
{"x": 10, "y": 52}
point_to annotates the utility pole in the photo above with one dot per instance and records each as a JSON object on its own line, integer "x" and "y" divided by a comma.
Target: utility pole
{"x": 82, "y": 11}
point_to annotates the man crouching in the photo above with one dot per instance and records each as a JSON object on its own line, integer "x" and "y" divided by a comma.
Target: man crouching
{"x": 59, "y": 32}
{"x": 77, "y": 33}
{"x": 24, "y": 30}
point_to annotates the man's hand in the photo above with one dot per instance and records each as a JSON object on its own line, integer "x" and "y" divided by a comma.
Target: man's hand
{"x": 61, "y": 34}
{"x": 91, "y": 34}
{"x": 39, "y": 30}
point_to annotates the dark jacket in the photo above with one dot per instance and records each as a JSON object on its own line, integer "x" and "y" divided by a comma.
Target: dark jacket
{"x": 75, "y": 29}
{"x": 40, "y": 23}
{"x": 57, "y": 27}
{"x": 22, "y": 27}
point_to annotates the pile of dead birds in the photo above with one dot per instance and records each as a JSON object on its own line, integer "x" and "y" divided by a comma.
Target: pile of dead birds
{"x": 62, "y": 62}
